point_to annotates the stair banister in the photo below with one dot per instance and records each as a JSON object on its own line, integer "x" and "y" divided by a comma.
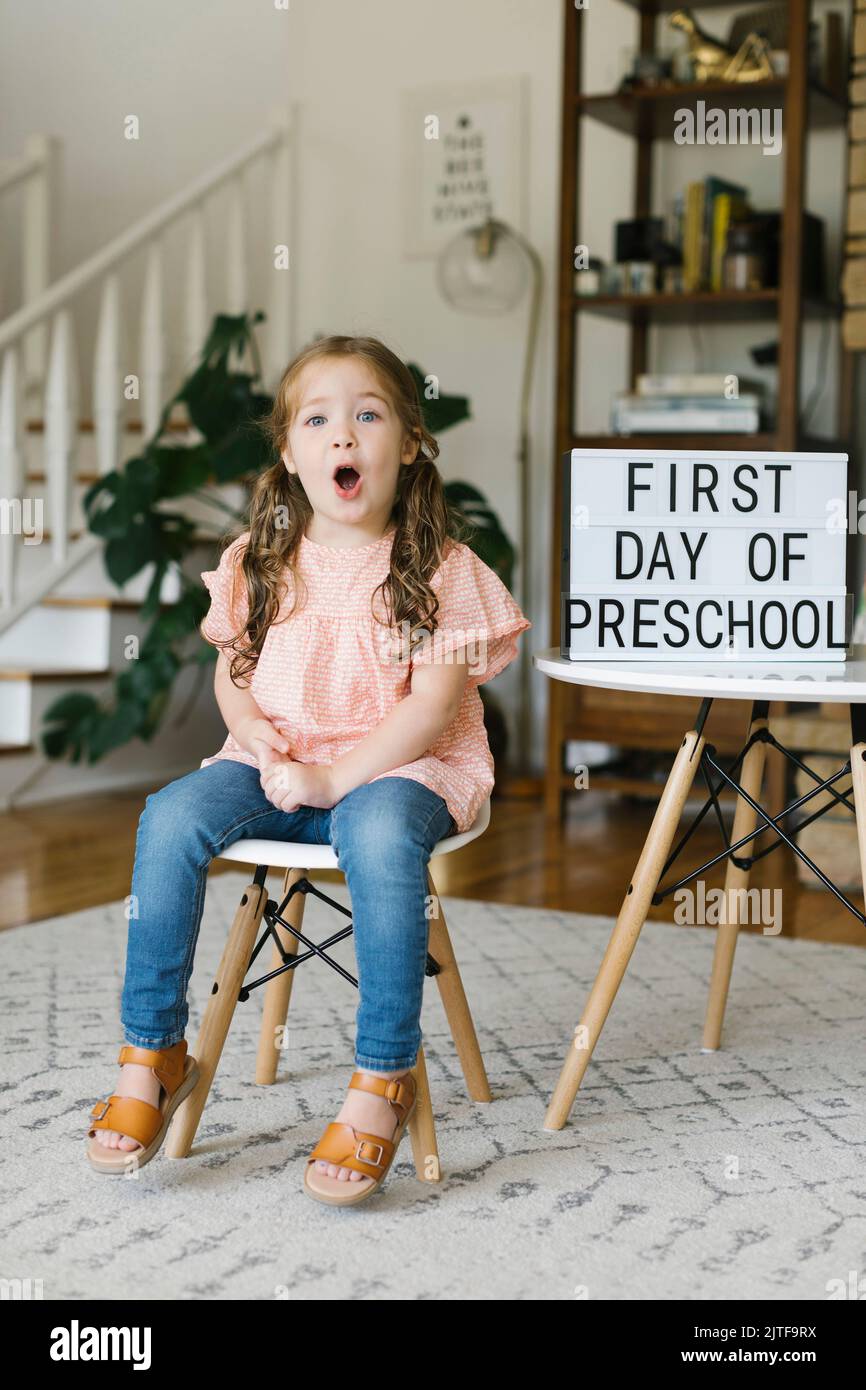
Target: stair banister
{"x": 36, "y": 174}
{"x": 50, "y": 314}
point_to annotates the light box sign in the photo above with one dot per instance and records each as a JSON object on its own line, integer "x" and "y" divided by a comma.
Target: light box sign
{"x": 704, "y": 556}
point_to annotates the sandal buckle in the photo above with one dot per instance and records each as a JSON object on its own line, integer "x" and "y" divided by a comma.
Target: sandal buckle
{"x": 367, "y": 1143}
{"x": 105, "y": 1107}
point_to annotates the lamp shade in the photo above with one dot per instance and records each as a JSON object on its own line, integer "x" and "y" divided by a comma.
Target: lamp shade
{"x": 483, "y": 270}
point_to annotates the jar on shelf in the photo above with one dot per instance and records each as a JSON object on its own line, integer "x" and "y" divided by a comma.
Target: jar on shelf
{"x": 743, "y": 264}
{"x": 640, "y": 277}
{"x": 588, "y": 281}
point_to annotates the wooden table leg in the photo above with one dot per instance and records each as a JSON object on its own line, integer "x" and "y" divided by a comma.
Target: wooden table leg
{"x": 736, "y": 884}
{"x": 632, "y": 916}
{"x": 858, "y": 778}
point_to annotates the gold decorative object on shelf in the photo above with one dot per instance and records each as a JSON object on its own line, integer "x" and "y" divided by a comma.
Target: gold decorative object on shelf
{"x": 713, "y": 62}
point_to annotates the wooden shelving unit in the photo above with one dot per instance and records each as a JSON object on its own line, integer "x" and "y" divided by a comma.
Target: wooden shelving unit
{"x": 652, "y": 111}
{"x": 645, "y": 721}
{"x": 722, "y": 305}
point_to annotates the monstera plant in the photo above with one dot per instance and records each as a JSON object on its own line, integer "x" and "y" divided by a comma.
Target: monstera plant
{"x": 126, "y": 508}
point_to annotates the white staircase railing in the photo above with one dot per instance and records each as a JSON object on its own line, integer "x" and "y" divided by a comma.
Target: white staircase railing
{"x": 254, "y": 261}
{"x": 31, "y": 182}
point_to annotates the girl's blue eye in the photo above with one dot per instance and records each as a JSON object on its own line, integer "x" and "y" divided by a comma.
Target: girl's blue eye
{"x": 321, "y": 417}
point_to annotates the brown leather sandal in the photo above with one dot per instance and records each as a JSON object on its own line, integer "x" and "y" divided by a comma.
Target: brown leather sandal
{"x": 370, "y": 1154}
{"x": 137, "y": 1119}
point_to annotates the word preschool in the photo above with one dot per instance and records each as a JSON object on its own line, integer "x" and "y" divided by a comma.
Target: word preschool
{"x": 703, "y": 556}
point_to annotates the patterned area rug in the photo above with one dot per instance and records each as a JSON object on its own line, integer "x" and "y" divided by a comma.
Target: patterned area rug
{"x": 680, "y": 1175}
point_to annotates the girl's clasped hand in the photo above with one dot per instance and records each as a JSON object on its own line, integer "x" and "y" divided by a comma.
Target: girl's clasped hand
{"x": 289, "y": 784}
{"x": 286, "y": 783}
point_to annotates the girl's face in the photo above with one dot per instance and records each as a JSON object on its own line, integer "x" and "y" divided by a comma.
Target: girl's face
{"x": 346, "y": 444}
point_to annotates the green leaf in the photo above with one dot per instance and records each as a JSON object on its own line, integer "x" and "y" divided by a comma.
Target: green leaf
{"x": 443, "y": 412}
{"x": 75, "y": 718}
{"x": 181, "y": 470}
{"x": 488, "y": 541}
{"x": 141, "y": 481}
{"x": 140, "y": 546}
{"x": 72, "y": 707}
{"x": 117, "y": 728}
{"x": 244, "y": 452}
{"x": 105, "y": 506}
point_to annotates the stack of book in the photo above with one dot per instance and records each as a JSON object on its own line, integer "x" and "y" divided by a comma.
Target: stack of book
{"x": 702, "y": 218}
{"x": 699, "y": 402}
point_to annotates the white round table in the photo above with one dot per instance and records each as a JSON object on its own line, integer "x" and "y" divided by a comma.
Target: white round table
{"x": 762, "y": 681}
{"x": 841, "y": 682}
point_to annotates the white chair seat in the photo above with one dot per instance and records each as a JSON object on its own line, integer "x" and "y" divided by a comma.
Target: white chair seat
{"x": 294, "y": 854}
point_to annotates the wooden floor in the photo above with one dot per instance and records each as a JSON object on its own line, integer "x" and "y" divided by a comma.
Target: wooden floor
{"x": 65, "y": 856}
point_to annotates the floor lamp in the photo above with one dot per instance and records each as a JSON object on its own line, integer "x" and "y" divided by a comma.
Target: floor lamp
{"x": 486, "y": 270}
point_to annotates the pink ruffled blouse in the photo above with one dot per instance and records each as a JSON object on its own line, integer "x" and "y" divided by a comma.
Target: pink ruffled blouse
{"x": 328, "y": 675}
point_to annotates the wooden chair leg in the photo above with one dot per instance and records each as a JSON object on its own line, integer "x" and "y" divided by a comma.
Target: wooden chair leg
{"x": 736, "y": 885}
{"x": 217, "y": 1017}
{"x": 278, "y": 992}
{"x": 632, "y": 916}
{"x": 422, "y": 1130}
{"x": 455, "y": 1003}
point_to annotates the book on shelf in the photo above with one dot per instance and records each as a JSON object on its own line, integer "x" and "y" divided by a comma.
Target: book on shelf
{"x": 693, "y": 384}
{"x": 677, "y": 219}
{"x": 685, "y": 402}
{"x": 634, "y": 414}
{"x": 711, "y": 204}
{"x": 728, "y": 208}
{"x": 692, "y": 228}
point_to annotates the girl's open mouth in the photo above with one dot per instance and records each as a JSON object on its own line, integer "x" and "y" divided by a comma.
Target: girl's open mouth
{"x": 347, "y": 482}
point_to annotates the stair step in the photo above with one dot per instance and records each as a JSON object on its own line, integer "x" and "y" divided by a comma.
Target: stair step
{"x": 101, "y": 601}
{"x": 196, "y": 538}
{"x": 13, "y": 748}
{"x": 34, "y": 476}
{"x": 53, "y": 673}
{"x": 91, "y": 580}
{"x": 127, "y": 426}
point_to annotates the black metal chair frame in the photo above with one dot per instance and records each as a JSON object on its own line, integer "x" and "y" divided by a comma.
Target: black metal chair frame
{"x": 708, "y": 763}
{"x": 273, "y": 916}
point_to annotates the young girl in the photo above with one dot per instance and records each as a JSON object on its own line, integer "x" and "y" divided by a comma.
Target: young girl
{"x": 366, "y": 626}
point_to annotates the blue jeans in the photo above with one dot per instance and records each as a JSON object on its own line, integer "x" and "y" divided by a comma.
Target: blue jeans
{"x": 382, "y": 833}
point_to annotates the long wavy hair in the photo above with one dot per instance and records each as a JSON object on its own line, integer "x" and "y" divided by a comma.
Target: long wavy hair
{"x": 425, "y": 520}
